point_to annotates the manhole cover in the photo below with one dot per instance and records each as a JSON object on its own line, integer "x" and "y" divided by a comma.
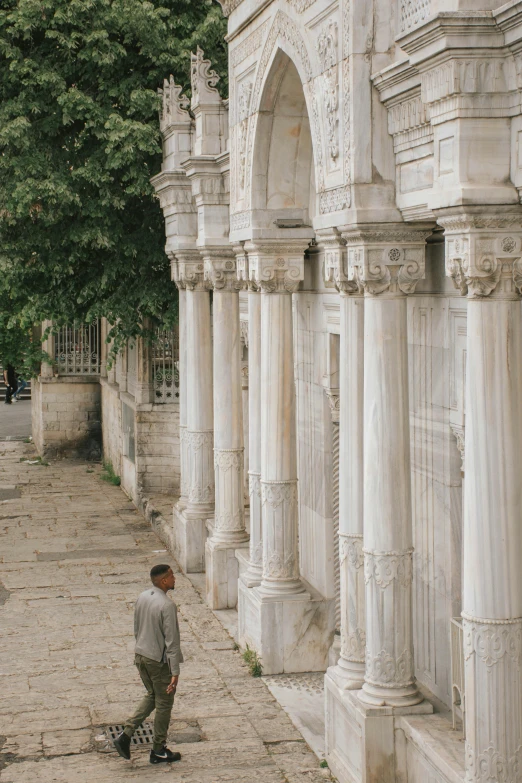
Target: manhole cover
{"x": 142, "y": 736}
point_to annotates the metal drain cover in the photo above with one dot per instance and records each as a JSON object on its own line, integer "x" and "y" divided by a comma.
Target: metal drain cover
{"x": 142, "y": 736}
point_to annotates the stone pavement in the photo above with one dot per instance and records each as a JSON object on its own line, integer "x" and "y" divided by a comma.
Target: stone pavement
{"x": 15, "y": 419}
{"x": 74, "y": 554}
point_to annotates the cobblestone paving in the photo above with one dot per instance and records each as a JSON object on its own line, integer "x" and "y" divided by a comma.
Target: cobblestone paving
{"x": 74, "y": 554}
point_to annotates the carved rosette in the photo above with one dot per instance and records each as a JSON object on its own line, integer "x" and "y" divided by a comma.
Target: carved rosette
{"x": 390, "y": 261}
{"x": 484, "y": 254}
{"x": 353, "y": 632}
{"x": 229, "y": 524}
{"x": 276, "y": 268}
{"x": 389, "y": 677}
{"x": 280, "y": 556}
{"x": 200, "y": 446}
{"x": 493, "y": 667}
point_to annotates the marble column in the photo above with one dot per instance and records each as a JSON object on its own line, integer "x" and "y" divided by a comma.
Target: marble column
{"x": 389, "y": 265}
{"x": 229, "y": 519}
{"x": 199, "y": 438}
{"x": 349, "y": 671}
{"x": 252, "y": 576}
{"x": 484, "y": 257}
{"x": 182, "y": 368}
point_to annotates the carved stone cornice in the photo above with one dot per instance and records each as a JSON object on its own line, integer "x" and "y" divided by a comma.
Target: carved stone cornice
{"x": 386, "y": 260}
{"x": 188, "y": 270}
{"x": 276, "y": 267}
{"x": 484, "y": 253}
{"x": 174, "y": 191}
{"x": 220, "y": 269}
{"x": 336, "y": 269}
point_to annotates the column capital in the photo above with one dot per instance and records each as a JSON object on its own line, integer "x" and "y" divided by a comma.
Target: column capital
{"x": 221, "y": 269}
{"x": 243, "y": 268}
{"x": 336, "y": 269}
{"x": 484, "y": 252}
{"x": 188, "y": 270}
{"x": 386, "y": 258}
{"x": 277, "y": 267}
{"x": 334, "y": 401}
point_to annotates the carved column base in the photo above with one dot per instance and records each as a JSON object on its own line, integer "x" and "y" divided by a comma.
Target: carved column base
{"x": 389, "y": 678}
{"x": 229, "y": 519}
{"x": 252, "y": 576}
{"x": 200, "y": 485}
{"x": 493, "y": 675}
{"x": 280, "y": 555}
{"x": 349, "y": 672}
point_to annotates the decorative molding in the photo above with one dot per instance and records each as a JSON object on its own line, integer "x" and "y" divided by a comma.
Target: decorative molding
{"x": 335, "y": 200}
{"x": 413, "y": 13}
{"x": 326, "y": 47}
{"x": 384, "y": 268}
{"x": 383, "y": 568}
{"x": 491, "y": 640}
{"x": 203, "y": 80}
{"x": 248, "y": 46}
{"x": 336, "y": 270}
{"x": 347, "y": 140}
{"x": 352, "y": 550}
{"x": 385, "y": 670}
{"x": 254, "y": 484}
{"x": 407, "y": 115}
{"x": 228, "y": 459}
{"x": 199, "y": 439}
{"x": 334, "y": 401}
{"x": 243, "y": 327}
{"x": 279, "y": 566}
{"x": 491, "y": 765}
{"x": 276, "y": 268}
{"x": 189, "y": 271}
{"x": 239, "y": 220}
{"x": 243, "y": 103}
{"x": 277, "y": 493}
{"x": 459, "y": 434}
{"x": 173, "y": 105}
{"x": 301, "y": 5}
{"x": 482, "y": 258}
{"x": 467, "y": 76}
{"x": 220, "y": 271}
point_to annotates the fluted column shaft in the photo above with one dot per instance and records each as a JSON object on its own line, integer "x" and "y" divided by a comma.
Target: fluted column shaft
{"x": 229, "y": 519}
{"x": 351, "y": 499}
{"x": 349, "y": 672}
{"x": 278, "y": 272}
{"x": 390, "y": 263}
{"x": 255, "y": 568}
{"x": 182, "y": 364}
{"x": 486, "y": 264}
{"x": 200, "y": 418}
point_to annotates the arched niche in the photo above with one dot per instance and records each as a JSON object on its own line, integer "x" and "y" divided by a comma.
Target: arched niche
{"x": 283, "y": 183}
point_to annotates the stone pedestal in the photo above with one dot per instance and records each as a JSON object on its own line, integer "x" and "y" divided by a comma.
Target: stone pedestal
{"x": 229, "y": 519}
{"x": 486, "y": 265}
{"x": 361, "y": 739}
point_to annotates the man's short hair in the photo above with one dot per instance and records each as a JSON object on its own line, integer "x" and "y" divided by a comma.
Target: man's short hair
{"x": 158, "y": 570}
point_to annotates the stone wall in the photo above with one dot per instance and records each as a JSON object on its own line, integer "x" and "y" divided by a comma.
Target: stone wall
{"x": 157, "y": 448}
{"x": 66, "y": 416}
{"x": 111, "y": 423}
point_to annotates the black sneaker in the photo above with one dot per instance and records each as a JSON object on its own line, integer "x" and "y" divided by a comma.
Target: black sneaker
{"x": 122, "y": 745}
{"x": 163, "y": 756}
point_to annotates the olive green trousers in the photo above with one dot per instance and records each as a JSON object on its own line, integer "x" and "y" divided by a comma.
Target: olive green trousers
{"x": 156, "y": 677}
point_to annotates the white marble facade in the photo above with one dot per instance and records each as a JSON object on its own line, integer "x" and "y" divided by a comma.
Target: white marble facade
{"x": 352, "y": 215}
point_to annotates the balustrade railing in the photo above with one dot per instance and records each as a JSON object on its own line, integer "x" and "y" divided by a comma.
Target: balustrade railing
{"x": 77, "y": 349}
{"x": 165, "y": 365}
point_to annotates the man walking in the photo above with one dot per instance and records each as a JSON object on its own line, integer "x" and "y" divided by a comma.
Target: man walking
{"x": 157, "y": 657}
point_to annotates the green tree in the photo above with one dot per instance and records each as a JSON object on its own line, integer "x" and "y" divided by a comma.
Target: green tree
{"x": 81, "y": 232}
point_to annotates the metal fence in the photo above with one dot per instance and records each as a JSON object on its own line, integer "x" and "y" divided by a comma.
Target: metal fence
{"x": 77, "y": 349}
{"x": 165, "y": 365}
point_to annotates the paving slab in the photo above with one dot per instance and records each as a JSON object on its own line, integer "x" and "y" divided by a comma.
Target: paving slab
{"x": 74, "y": 555}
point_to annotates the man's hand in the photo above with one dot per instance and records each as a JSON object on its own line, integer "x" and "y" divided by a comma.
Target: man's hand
{"x": 171, "y": 688}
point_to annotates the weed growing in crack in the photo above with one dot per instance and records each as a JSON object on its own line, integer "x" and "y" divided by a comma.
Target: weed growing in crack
{"x": 109, "y": 474}
{"x": 251, "y": 658}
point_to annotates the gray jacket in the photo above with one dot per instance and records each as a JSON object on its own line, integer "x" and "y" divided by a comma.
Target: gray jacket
{"x": 156, "y": 628}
